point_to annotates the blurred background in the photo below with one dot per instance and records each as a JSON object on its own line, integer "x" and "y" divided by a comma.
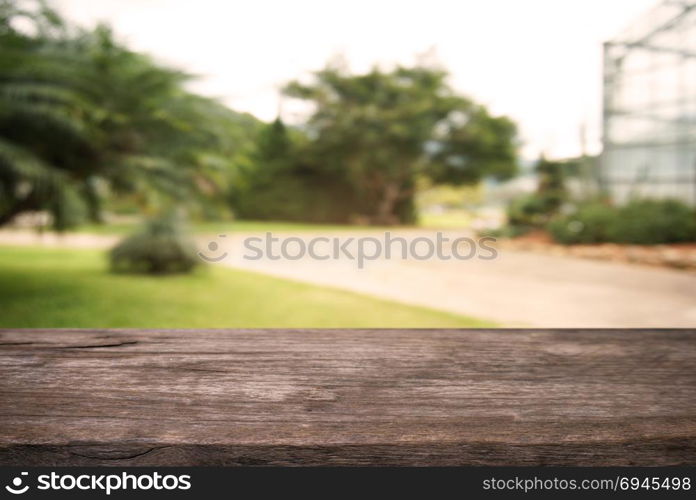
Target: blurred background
{"x": 136, "y": 136}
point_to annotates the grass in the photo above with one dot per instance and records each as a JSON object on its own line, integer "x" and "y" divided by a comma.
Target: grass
{"x": 453, "y": 219}
{"x": 60, "y": 288}
{"x": 448, "y": 220}
{"x": 226, "y": 227}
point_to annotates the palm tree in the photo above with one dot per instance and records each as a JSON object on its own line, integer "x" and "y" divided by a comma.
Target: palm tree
{"x": 81, "y": 116}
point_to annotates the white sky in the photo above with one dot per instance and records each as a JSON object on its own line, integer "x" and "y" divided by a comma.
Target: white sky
{"x": 537, "y": 61}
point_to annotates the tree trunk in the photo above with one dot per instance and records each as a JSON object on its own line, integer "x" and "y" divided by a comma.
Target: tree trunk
{"x": 385, "y": 209}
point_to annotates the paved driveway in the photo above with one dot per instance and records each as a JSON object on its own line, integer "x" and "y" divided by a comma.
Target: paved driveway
{"x": 515, "y": 289}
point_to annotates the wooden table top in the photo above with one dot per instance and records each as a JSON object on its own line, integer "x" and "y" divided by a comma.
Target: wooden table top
{"x": 347, "y": 397}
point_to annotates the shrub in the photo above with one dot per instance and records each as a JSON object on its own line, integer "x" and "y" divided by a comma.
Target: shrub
{"x": 591, "y": 223}
{"x": 160, "y": 248}
{"x": 641, "y": 222}
{"x": 506, "y": 231}
{"x": 645, "y": 222}
{"x": 530, "y": 210}
{"x": 67, "y": 208}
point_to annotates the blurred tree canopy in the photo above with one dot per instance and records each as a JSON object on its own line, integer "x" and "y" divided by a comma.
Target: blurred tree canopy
{"x": 83, "y": 118}
{"x": 85, "y": 121}
{"x": 280, "y": 181}
{"x": 371, "y": 136}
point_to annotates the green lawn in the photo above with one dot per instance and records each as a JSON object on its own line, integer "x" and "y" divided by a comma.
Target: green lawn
{"x": 226, "y": 227}
{"x": 449, "y": 220}
{"x": 453, "y": 219}
{"x": 58, "y": 288}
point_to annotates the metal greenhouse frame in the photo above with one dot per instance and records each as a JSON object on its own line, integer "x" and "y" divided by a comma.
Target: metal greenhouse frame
{"x": 649, "y": 109}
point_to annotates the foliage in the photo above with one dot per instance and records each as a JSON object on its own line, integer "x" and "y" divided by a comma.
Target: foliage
{"x": 551, "y": 189}
{"x": 310, "y": 198}
{"x": 645, "y": 222}
{"x": 279, "y": 185}
{"x": 83, "y": 117}
{"x": 535, "y": 210}
{"x": 160, "y": 248}
{"x": 591, "y": 223}
{"x": 505, "y": 231}
{"x": 373, "y": 135}
{"x": 528, "y": 210}
{"x": 642, "y": 222}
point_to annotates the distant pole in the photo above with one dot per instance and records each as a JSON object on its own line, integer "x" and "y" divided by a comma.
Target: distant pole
{"x": 585, "y": 174}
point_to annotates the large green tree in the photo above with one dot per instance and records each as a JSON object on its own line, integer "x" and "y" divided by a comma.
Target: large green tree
{"x": 382, "y": 130}
{"x": 83, "y": 117}
{"x": 280, "y": 181}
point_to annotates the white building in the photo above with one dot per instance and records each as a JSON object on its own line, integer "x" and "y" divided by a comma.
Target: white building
{"x": 649, "y": 129}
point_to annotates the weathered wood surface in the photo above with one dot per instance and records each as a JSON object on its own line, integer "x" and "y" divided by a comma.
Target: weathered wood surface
{"x": 347, "y": 397}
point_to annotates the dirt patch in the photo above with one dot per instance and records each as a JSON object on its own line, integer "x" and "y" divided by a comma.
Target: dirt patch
{"x": 675, "y": 256}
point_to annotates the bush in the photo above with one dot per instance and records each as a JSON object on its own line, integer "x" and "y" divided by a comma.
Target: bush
{"x": 641, "y": 222}
{"x": 645, "y": 222}
{"x": 160, "y": 248}
{"x": 591, "y": 223}
{"x": 506, "y": 231}
{"x": 67, "y": 208}
{"x": 530, "y": 210}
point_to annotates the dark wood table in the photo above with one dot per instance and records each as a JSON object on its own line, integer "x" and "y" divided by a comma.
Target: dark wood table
{"x": 347, "y": 397}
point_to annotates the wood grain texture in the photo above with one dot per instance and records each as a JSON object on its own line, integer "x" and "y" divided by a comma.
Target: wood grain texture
{"x": 347, "y": 397}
